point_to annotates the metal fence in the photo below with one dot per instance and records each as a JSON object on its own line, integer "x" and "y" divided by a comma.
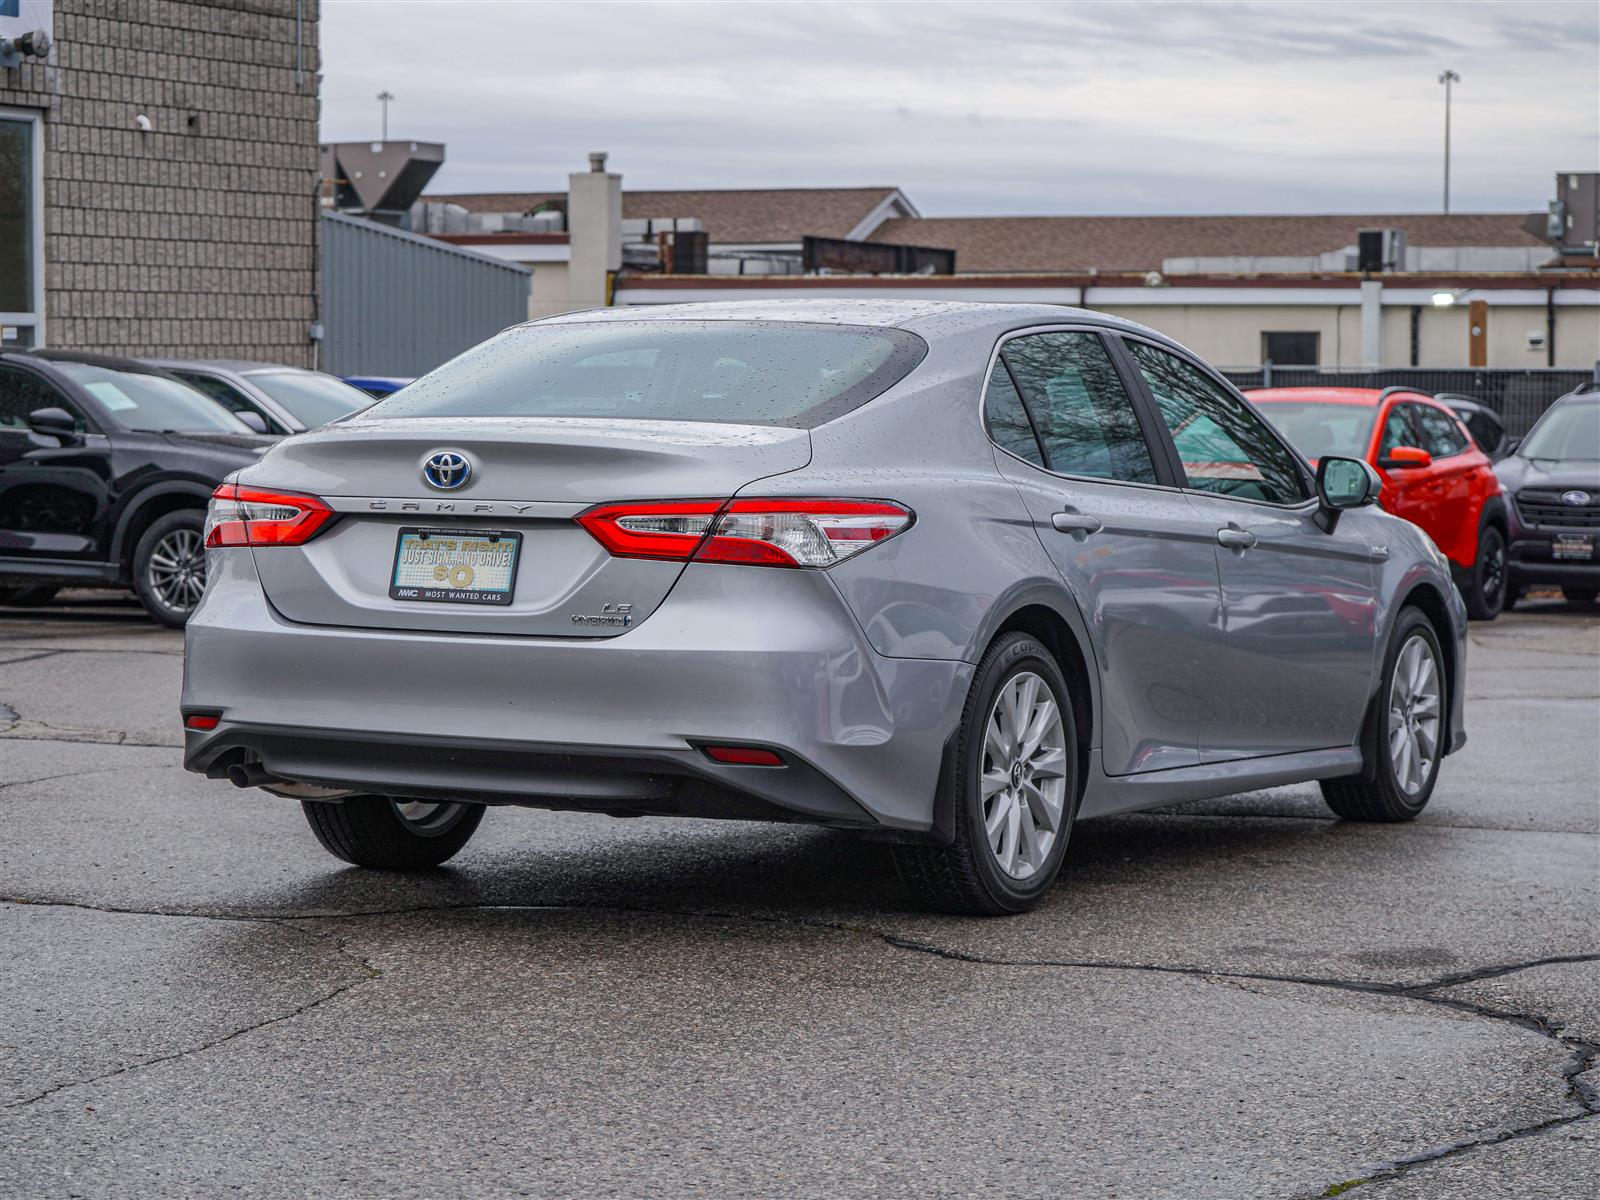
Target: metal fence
{"x": 1518, "y": 394}
{"x": 397, "y": 303}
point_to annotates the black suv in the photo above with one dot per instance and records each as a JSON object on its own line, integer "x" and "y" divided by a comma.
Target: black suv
{"x": 106, "y": 466}
{"x": 1553, "y": 475}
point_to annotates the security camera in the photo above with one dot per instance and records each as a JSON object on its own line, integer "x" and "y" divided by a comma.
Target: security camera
{"x": 29, "y": 45}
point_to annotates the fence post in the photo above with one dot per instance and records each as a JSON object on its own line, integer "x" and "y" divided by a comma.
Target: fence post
{"x": 1266, "y": 373}
{"x": 1596, "y": 375}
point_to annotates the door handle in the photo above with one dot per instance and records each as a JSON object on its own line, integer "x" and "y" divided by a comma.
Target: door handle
{"x": 1236, "y": 539}
{"x": 1078, "y": 524}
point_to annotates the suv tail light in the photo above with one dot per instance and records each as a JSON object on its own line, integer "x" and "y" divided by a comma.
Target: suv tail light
{"x": 777, "y": 532}
{"x": 247, "y": 516}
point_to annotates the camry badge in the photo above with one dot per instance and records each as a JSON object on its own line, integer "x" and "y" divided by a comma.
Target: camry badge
{"x": 446, "y": 470}
{"x": 1575, "y": 498}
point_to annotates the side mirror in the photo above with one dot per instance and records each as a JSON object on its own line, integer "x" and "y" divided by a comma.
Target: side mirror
{"x": 255, "y": 420}
{"x": 56, "y": 424}
{"x": 1406, "y": 456}
{"x": 1343, "y": 483}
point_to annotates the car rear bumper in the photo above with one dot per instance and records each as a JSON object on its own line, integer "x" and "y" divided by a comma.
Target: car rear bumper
{"x": 734, "y": 655}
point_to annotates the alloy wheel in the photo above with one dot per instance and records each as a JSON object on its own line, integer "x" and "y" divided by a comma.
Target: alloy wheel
{"x": 1494, "y": 574}
{"x": 177, "y": 569}
{"x": 1023, "y": 784}
{"x": 1414, "y": 712}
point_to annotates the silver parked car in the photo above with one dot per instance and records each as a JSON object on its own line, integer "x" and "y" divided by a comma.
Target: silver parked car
{"x": 955, "y": 575}
{"x": 280, "y": 399}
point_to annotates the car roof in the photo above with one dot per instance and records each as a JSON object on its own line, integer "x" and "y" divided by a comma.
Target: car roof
{"x": 239, "y": 366}
{"x": 89, "y": 358}
{"x": 898, "y": 313}
{"x": 1330, "y": 395}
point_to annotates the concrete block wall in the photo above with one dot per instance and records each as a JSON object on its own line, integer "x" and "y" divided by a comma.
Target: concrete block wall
{"x": 198, "y": 238}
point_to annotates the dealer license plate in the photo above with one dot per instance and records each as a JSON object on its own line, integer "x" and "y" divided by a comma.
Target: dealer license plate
{"x": 1572, "y": 545}
{"x": 457, "y": 566}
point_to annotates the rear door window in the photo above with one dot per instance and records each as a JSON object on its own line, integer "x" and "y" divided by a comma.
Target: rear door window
{"x": 791, "y": 373}
{"x": 1084, "y": 415}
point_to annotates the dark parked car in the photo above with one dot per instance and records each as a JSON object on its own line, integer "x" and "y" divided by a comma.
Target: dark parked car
{"x": 284, "y": 399}
{"x": 106, "y": 467}
{"x": 1553, "y": 478}
{"x": 1482, "y": 422}
{"x": 377, "y": 385}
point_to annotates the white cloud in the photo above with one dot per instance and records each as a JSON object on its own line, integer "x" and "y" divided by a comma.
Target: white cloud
{"x": 988, "y": 107}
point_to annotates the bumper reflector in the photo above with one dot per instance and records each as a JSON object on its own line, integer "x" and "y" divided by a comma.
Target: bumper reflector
{"x": 743, "y": 756}
{"x": 201, "y": 721}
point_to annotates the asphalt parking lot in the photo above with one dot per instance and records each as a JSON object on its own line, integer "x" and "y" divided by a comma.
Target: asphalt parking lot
{"x": 1235, "y": 999}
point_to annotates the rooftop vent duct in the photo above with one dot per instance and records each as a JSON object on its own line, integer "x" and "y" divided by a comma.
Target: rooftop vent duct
{"x": 380, "y": 180}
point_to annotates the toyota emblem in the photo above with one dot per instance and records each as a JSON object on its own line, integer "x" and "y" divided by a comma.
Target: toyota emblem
{"x": 446, "y": 470}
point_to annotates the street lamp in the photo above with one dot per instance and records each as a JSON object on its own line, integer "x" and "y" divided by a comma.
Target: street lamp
{"x": 1448, "y": 78}
{"x": 385, "y": 96}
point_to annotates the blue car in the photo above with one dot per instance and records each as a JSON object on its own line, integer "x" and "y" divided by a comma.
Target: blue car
{"x": 376, "y": 385}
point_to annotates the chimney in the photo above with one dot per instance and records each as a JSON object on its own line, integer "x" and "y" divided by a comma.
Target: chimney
{"x": 594, "y": 225}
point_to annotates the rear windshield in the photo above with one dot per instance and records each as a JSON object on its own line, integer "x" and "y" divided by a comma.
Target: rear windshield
{"x": 738, "y": 372}
{"x": 1320, "y": 429}
{"x": 152, "y": 403}
{"x": 312, "y": 399}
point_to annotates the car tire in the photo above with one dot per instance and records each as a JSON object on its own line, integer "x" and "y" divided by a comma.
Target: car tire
{"x": 1486, "y": 587}
{"x": 1579, "y": 595}
{"x": 1399, "y": 788}
{"x": 990, "y": 874}
{"x": 27, "y": 597}
{"x": 169, "y": 571}
{"x": 392, "y": 835}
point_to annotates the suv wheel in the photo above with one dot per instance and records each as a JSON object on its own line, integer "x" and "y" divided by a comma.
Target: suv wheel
{"x": 392, "y": 834}
{"x": 169, "y": 566}
{"x": 1014, "y": 791}
{"x": 1410, "y": 735}
{"x": 1486, "y": 590}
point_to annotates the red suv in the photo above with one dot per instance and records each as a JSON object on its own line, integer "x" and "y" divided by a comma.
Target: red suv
{"x": 1434, "y": 474}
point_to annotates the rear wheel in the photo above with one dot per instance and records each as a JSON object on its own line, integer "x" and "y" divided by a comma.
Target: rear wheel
{"x": 27, "y": 597}
{"x": 1410, "y": 735}
{"x": 1014, "y": 791}
{"x": 1486, "y": 589}
{"x": 391, "y": 834}
{"x": 169, "y": 566}
{"x": 1579, "y": 595}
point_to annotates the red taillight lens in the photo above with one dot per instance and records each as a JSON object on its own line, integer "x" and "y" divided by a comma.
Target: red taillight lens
{"x": 247, "y": 516}
{"x": 651, "y": 528}
{"x": 779, "y": 532}
{"x": 801, "y": 533}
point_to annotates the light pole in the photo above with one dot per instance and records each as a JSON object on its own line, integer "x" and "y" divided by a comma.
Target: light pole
{"x": 385, "y": 96}
{"x": 1448, "y": 78}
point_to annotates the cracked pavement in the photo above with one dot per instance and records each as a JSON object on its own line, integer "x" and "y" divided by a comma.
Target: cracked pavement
{"x": 1237, "y": 998}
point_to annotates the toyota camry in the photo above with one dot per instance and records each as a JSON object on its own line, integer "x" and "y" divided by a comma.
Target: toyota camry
{"x": 956, "y": 576}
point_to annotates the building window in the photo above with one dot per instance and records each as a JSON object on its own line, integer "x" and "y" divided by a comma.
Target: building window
{"x": 21, "y": 231}
{"x": 1290, "y": 349}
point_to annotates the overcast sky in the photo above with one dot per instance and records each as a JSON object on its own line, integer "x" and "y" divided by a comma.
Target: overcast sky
{"x": 988, "y": 107}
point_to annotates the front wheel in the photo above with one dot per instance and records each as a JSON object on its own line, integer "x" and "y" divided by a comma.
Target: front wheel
{"x": 1014, "y": 790}
{"x": 1486, "y": 589}
{"x": 1410, "y": 735}
{"x": 169, "y": 566}
{"x": 392, "y": 834}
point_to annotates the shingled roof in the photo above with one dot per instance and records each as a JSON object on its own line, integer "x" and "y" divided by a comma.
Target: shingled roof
{"x": 1000, "y": 244}
{"x": 732, "y": 215}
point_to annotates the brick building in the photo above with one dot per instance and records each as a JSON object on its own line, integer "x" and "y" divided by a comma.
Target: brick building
{"x": 159, "y": 178}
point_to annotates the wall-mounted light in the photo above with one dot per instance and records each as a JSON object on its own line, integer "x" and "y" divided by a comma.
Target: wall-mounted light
{"x": 1443, "y": 299}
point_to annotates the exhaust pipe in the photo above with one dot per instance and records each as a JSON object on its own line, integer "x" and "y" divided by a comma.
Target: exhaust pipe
{"x": 248, "y": 775}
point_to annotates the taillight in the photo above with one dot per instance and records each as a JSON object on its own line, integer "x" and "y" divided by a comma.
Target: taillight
{"x": 247, "y": 516}
{"x": 775, "y": 532}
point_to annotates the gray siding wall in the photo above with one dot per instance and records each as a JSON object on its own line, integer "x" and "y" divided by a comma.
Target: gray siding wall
{"x": 395, "y": 303}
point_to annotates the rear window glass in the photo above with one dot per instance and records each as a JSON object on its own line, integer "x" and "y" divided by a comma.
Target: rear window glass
{"x": 737, "y": 372}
